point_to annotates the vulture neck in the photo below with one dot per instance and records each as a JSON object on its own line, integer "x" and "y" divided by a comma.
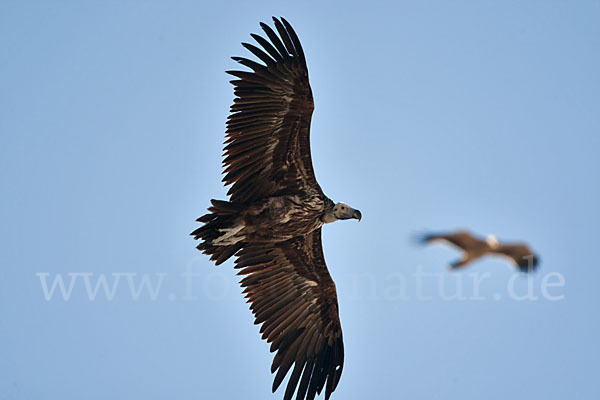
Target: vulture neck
{"x": 328, "y": 217}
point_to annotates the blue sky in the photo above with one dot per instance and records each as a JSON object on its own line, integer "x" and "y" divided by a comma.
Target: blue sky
{"x": 429, "y": 115}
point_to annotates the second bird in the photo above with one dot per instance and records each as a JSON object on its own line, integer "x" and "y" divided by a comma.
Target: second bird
{"x": 473, "y": 248}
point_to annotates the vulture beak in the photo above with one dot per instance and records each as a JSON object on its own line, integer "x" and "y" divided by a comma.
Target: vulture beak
{"x": 357, "y": 215}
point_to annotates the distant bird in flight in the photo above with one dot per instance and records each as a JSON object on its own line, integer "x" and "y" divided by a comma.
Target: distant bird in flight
{"x": 272, "y": 221}
{"x": 473, "y": 248}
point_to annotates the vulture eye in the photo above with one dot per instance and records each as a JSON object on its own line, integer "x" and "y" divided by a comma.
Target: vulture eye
{"x": 343, "y": 208}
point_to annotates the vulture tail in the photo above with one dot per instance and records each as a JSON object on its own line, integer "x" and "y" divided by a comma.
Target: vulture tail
{"x": 222, "y": 233}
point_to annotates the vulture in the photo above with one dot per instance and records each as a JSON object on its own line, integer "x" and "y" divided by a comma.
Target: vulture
{"x": 273, "y": 218}
{"x": 473, "y": 248}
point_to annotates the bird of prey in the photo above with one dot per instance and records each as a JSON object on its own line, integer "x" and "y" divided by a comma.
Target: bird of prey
{"x": 473, "y": 248}
{"x": 272, "y": 221}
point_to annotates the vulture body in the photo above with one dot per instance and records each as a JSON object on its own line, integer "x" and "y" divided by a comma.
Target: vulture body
{"x": 473, "y": 248}
{"x": 273, "y": 218}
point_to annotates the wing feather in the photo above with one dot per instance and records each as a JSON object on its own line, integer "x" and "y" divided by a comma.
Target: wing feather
{"x": 285, "y": 37}
{"x": 295, "y": 40}
{"x": 268, "y": 47}
{"x": 259, "y": 53}
{"x": 275, "y": 40}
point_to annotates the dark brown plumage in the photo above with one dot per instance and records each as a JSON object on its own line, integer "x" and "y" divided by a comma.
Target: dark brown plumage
{"x": 474, "y": 248}
{"x": 272, "y": 221}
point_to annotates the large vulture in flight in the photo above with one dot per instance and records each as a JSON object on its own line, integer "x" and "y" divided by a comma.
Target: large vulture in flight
{"x": 474, "y": 247}
{"x": 272, "y": 221}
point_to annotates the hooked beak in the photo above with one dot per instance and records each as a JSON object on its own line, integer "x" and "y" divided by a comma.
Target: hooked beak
{"x": 357, "y": 215}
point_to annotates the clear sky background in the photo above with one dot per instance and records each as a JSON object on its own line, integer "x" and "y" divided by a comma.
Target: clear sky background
{"x": 429, "y": 115}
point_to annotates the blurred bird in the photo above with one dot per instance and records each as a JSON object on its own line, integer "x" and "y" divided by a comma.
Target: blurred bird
{"x": 473, "y": 248}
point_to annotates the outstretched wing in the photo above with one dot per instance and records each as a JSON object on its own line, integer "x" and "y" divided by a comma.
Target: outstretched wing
{"x": 267, "y": 151}
{"x": 520, "y": 254}
{"x": 293, "y": 296}
{"x": 462, "y": 240}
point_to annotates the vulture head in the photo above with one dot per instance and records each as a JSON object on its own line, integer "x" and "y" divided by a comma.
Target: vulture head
{"x": 341, "y": 211}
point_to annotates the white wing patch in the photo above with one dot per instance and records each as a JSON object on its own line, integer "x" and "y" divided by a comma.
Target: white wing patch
{"x": 229, "y": 236}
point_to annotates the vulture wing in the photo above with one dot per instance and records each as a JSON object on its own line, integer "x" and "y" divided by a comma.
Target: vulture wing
{"x": 293, "y": 296}
{"x": 267, "y": 151}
